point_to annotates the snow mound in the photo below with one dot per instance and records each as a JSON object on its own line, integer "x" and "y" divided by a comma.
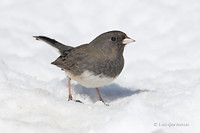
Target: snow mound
{"x": 157, "y": 92}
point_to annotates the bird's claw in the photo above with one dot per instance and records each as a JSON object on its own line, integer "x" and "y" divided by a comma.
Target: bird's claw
{"x": 70, "y": 99}
{"x": 79, "y": 101}
{"x": 104, "y": 102}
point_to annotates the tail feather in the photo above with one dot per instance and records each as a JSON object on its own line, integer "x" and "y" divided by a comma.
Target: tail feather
{"x": 61, "y": 47}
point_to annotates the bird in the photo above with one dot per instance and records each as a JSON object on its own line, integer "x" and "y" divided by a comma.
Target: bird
{"x": 94, "y": 64}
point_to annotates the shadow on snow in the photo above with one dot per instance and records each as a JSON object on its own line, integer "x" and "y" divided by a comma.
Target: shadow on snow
{"x": 109, "y": 93}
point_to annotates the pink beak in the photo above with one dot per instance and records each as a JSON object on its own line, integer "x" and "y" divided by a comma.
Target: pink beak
{"x": 127, "y": 40}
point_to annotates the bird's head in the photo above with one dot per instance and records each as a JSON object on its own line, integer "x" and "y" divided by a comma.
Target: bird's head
{"x": 111, "y": 42}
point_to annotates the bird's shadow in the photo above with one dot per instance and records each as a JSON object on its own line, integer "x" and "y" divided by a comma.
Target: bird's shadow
{"x": 109, "y": 93}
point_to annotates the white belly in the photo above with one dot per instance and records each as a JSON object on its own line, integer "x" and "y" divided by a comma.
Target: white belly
{"x": 89, "y": 80}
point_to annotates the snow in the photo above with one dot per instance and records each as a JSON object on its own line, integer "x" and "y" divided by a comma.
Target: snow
{"x": 157, "y": 91}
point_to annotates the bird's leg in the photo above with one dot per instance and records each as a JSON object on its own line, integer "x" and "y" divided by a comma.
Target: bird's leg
{"x": 70, "y": 94}
{"x": 100, "y": 98}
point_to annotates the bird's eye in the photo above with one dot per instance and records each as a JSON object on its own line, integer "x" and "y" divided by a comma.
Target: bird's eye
{"x": 113, "y": 38}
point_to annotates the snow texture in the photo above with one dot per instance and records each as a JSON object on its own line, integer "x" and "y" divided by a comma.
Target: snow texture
{"x": 158, "y": 91}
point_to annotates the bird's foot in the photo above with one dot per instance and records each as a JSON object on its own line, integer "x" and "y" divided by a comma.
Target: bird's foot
{"x": 104, "y": 102}
{"x": 79, "y": 101}
{"x": 70, "y": 99}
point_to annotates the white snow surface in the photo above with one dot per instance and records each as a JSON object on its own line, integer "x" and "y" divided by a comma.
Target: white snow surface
{"x": 158, "y": 90}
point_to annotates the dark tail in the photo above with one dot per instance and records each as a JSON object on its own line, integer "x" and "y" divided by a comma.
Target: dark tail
{"x": 61, "y": 47}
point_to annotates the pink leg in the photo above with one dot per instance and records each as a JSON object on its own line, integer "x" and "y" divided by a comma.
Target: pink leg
{"x": 100, "y": 98}
{"x": 70, "y": 94}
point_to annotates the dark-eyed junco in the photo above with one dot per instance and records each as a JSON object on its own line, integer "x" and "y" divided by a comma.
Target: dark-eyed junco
{"x": 95, "y": 64}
